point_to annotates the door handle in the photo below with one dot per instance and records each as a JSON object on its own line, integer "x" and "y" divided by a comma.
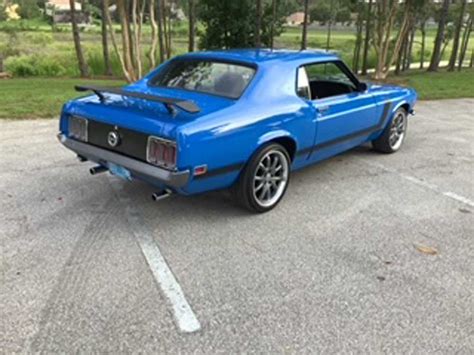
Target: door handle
{"x": 323, "y": 109}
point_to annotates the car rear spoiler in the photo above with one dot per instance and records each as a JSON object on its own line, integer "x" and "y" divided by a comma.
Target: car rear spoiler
{"x": 170, "y": 103}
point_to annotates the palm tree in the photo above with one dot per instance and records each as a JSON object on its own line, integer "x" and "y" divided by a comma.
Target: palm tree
{"x": 436, "y": 56}
{"x": 83, "y": 68}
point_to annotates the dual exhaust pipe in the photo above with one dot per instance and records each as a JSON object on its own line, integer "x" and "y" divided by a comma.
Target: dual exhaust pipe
{"x": 156, "y": 196}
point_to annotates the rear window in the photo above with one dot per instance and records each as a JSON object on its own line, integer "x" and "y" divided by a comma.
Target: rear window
{"x": 218, "y": 78}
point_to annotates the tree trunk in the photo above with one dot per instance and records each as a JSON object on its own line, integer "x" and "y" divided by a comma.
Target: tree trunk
{"x": 83, "y": 68}
{"x": 457, "y": 37}
{"x": 436, "y": 56}
{"x": 258, "y": 23}
{"x": 471, "y": 63}
{"x": 192, "y": 26}
{"x": 105, "y": 41}
{"x": 168, "y": 38}
{"x": 357, "y": 47}
{"x": 154, "y": 34}
{"x": 367, "y": 38}
{"x": 423, "y": 44}
{"x": 465, "y": 42}
{"x": 272, "y": 25}
{"x": 304, "y": 35}
{"x": 409, "y": 56}
{"x": 165, "y": 27}
{"x": 126, "y": 46}
{"x": 161, "y": 42}
{"x": 328, "y": 36}
{"x": 114, "y": 43}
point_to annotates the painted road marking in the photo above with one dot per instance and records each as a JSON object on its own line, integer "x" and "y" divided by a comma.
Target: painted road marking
{"x": 423, "y": 183}
{"x": 185, "y": 318}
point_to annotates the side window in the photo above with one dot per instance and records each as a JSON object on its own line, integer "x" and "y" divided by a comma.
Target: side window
{"x": 328, "y": 79}
{"x": 302, "y": 84}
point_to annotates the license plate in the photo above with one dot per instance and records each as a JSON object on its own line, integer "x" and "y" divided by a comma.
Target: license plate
{"x": 120, "y": 171}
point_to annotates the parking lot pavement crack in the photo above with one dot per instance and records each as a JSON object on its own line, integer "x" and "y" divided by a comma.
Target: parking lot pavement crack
{"x": 184, "y": 316}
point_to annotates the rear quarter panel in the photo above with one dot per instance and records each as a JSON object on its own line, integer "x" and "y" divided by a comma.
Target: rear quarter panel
{"x": 226, "y": 140}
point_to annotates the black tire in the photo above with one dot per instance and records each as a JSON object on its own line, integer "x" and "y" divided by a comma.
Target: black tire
{"x": 385, "y": 143}
{"x": 245, "y": 190}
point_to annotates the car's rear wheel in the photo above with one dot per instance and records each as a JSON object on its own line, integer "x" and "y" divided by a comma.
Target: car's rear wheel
{"x": 394, "y": 134}
{"x": 264, "y": 180}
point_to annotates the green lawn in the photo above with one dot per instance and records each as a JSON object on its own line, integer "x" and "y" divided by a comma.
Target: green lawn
{"x": 440, "y": 85}
{"x": 43, "y": 97}
{"x": 39, "y": 97}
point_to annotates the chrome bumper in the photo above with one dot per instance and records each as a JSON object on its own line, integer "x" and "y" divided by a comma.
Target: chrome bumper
{"x": 101, "y": 156}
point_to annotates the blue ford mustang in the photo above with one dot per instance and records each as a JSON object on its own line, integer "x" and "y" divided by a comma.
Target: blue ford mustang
{"x": 240, "y": 118}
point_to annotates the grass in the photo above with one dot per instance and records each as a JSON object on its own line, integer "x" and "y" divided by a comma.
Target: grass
{"x": 43, "y": 97}
{"x": 39, "y": 97}
{"x": 439, "y": 85}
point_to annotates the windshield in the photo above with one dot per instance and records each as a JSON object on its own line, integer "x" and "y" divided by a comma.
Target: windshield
{"x": 218, "y": 78}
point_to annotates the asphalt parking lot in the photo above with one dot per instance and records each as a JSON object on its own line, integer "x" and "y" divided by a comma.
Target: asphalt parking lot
{"x": 343, "y": 264}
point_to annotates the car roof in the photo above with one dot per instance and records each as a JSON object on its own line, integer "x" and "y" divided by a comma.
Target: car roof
{"x": 265, "y": 55}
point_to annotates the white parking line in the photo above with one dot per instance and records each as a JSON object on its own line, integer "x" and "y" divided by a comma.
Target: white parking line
{"x": 423, "y": 183}
{"x": 184, "y": 315}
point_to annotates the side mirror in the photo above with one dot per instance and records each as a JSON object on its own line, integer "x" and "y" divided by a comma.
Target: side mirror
{"x": 362, "y": 87}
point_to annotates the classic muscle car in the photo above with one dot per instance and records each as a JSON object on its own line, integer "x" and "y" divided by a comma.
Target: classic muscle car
{"x": 240, "y": 119}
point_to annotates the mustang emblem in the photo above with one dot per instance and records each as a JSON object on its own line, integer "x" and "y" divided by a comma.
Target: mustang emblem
{"x": 113, "y": 138}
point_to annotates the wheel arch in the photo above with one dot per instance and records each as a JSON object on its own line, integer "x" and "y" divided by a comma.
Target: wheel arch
{"x": 281, "y": 137}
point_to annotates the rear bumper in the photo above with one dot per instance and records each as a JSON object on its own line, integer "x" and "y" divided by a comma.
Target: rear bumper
{"x": 102, "y": 156}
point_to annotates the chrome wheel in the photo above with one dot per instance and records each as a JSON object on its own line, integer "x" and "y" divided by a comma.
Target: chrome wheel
{"x": 270, "y": 178}
{"x": 397, "y": 131}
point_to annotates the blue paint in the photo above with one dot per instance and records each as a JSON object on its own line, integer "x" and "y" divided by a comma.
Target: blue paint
{"x": 226, "y": 132}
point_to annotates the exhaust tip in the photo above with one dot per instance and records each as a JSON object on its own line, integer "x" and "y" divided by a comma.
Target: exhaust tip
{"x": 161, "y": 195}
{"x": 97, "y": 169}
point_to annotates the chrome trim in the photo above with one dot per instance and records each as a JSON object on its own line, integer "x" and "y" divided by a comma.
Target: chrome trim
{"x": 167, "y": 142}
{"x": 103, "y": 156}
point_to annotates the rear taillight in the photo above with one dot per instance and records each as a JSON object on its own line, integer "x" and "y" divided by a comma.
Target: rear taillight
{"x": 161, "y": 152}
{"x": 78, "y": 128}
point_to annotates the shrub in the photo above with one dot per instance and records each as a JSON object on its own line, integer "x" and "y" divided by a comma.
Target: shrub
{"x": 20, "y": 66}
{"x": 34, "y": 66}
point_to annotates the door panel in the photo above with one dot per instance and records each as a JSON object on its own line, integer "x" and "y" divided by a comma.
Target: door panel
{"x": 344, "y": 117}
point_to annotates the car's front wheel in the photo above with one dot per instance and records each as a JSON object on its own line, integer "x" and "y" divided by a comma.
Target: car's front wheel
{"x": 265, "y": 178}
{"x": 394, "y": 134}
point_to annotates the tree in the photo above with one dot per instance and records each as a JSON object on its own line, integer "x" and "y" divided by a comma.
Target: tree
{"x": 368, "y": 27}
{"x": 192, "y": 26}
{"x": 465, "y": 42}
{"x": 231, "y": 24}
{"x": 386, "y": 12}
{"x": 457, "y": 36}
{"x": 436, "y": 56}
{"x": 83, "y": 68}
{"x": 272, "y": 24}
{"x": 304, "y": 34}
{"x": 258, "y": 22}
{"x": 105, "y": 42}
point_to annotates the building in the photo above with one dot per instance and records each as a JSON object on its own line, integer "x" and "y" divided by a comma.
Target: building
{"x": 60, "y": 11}
{"x": 296, "y": 19}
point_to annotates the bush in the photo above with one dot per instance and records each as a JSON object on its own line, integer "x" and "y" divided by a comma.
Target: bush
{"x": 34, "y": 66}
{"x": 20, "y": 66}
